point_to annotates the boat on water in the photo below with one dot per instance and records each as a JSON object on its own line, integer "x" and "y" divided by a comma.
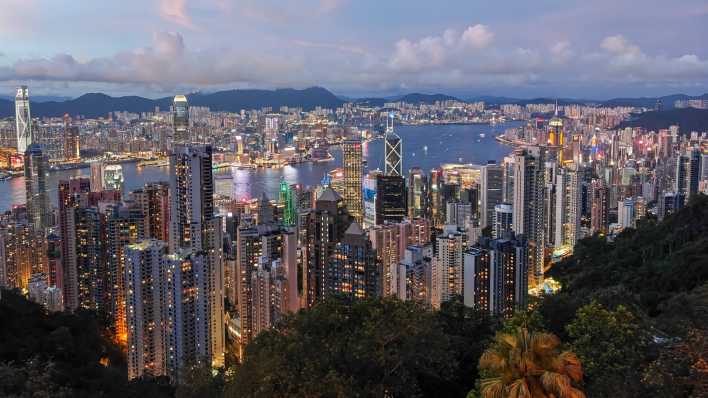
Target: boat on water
{"x": 154, "y": 163}
{"x": 482, "y": 135}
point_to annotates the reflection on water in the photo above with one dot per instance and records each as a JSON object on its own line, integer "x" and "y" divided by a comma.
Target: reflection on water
{"x": 432, "y": 146}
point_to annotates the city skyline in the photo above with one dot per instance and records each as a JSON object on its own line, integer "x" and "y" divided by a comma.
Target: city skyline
{"x": 572, "y": 49}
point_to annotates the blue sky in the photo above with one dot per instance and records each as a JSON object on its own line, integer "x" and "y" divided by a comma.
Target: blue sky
{"x": 591, "y": 49}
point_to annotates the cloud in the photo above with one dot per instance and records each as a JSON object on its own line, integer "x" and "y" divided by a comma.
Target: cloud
{"x": 175, "y": 11}
{"x": 626, "y": 61}
{"x": 435, "y": 51}
{"x": 477, "y": 36}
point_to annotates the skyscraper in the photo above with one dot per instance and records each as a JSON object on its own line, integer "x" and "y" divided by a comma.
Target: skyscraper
{"x": 36, "y": 169}
{"x": 353, "y": 174}
{"x": 417, "y": 193}
{"x": 153, "y": 199}
{"x": 355, "y": 271}
{"x": 325, "y": 227}
{"x": 147, "y": 308}
{"x": 287, "y": 200}
{"x": 196, "y": 239}
{"x": 568, "y": 206}
{"x": 180, "y": 120}
{"x": 503, "y": 220}
{"x": 23, "y": 119}
{"x": 68, "y": 203}
{"x": 528, "y": 206}
{"x": 390, "y": 198}
{"x": 71, "y": 140}
{"x": 393, "y": 162}
{"x": 693, "y": 171}
{"x": 599, "y": 207}
{"x": 491, "y": 192}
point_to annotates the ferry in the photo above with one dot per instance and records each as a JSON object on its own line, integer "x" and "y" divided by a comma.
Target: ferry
{"x": 154, "y": 163}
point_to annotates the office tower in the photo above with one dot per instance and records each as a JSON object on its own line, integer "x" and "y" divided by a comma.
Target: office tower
{"x": 355, "y": 270}
{"x": 196, "y": 237}
{"x": 23, "y": 119}
{"x": 567, "y": 206}
{"x": 417, "y": 261}
{"x": 447, "y": 267}
{"x": 528, "y": 207}
{"x": 36, "y": 169}
{"x": 68, "y": 190}
{"x": 288, "y": 201}
{"x": 491, "y": 192}
{"x": 370, "y": 193}
{"x": 353, "y": 173}
{"x": 71, "y": 140}
{"x": 180, "y": 121}
{"x": 147, "y": 312}
{"x": 437, "y": 211}
{"x": 23, "y": 253}
{"x": 390, "y": 198}
{"x": 113, "y": 177}
{"x": 458, "y": 214}
{"x": 503, "y": 220}
{"x": 625, "y": 213}
{"x": 417, "y": 193}
{"x": 386, "y": 240}
{"x": 325, "y": 227}
{"x": 154, "y": 202}
{"x": 393, "y": 151}
{"x": 693, "y": 171}
{"x": 599, "y": 211}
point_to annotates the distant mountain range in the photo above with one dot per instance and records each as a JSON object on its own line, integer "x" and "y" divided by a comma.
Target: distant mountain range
{"x": 688, "y": 119}
{"x": 96, "y": 104}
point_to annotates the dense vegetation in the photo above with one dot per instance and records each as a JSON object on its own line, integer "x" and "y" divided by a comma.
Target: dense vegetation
{"x": 630, "y": 321}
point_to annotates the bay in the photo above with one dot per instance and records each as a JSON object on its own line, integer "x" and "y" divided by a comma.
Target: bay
{"x": 426, "y": 147}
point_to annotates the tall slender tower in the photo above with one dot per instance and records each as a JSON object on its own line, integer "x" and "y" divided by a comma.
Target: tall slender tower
{"x": 528, "y": 206}
{"x": 36, "y": 169}
{"x": 196, "y": 239}
{"x": 180, "y": 120}
{"x": 23, "y": 119}
{"x": 393, "y": 165}
{"x": 417, "y": 193}
{"x": 353, "y": 174}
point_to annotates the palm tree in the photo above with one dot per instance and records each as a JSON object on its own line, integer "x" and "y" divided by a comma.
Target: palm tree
{"x": 526, "y": 364}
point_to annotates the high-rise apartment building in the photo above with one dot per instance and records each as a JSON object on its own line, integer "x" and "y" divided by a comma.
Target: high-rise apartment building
{"x": 68, "y": 203}
{"x": 354, "y": 268}
{"x": 528, "y": 206}
{"x": 567, "y": 206}
{"x": 503, "y": 220}
{"x": 599, "y": 207}
{"x": 153, "y": 200}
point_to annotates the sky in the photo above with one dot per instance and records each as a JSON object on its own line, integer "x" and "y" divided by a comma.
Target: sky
{"x": 594, "y": 49}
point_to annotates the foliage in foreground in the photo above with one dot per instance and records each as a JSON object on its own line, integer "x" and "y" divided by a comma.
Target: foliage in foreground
{"x": 528, "y": 364}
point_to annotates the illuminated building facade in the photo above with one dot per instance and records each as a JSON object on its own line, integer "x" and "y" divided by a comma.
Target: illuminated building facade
{"x": 353, "y": 173}
{"x": 36, "y": 169}
{"x": 23, "y": 119}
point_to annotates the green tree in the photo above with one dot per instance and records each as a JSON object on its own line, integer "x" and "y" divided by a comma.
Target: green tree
{"x": 343, "y": 348}
{"x": 612, "y": 345}
{"x": 527, "y": 364}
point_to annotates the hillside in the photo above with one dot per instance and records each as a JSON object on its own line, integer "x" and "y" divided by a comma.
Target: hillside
{"x": 96, "y": 104}
{"x": 688, "y": 119}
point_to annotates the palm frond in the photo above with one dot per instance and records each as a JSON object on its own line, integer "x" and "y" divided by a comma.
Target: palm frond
{"x": 572, "y": 366}
{"x": 492, "y": 387}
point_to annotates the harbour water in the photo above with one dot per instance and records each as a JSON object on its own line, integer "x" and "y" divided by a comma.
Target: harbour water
{"x": 423, "y": 146}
